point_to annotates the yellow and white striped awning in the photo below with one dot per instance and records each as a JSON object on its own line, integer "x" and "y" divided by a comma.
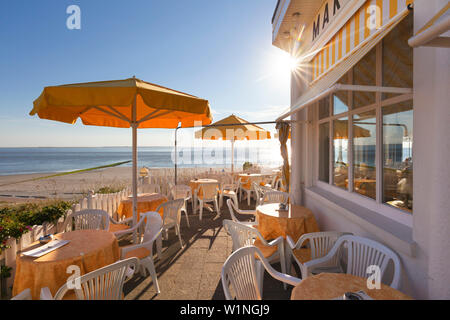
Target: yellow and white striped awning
{"x": 430, "y": 34}
{"x": 367, "y": 27}
{"x": 373, "y": 17}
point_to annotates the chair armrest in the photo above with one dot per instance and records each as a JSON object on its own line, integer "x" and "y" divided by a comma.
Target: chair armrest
{"x": 121, "y": 233}
{"x": 290, "y": 242}
{"x": 309, "y": 265}
{"x": 124, "y": 221}
{"x": 46, "y": 294}
{"x": 147, "y": 244}
{"x": 277, "y": 241}
{"x": 276, "y": 274}
{"x": 248, "y": 212}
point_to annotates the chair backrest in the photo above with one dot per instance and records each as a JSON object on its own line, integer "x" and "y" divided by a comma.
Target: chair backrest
{"x": 89, "y": 219}
{"x": 172, "y": 210}
{"x": 180, "y": 191}
{"x": 363, "y": 252}
{"x": 149, "y": 188}
{"x": 239, "y": 277}
{"x": 102, "y": 284}
{"x": 275, "y": 197}
{"x": 153, "y": 226}
{"x": 208, "y": 191}
{"x": 232, "y": 207}
{"x": 241, "y": 235}
{"x": 320, "y": 242}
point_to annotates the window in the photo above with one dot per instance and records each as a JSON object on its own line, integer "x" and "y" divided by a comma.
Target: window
{"x": 397, "y": 155}
{"x": 372, "y": 133}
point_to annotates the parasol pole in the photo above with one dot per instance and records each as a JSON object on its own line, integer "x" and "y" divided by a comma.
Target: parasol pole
{"x": 134, "y": 126}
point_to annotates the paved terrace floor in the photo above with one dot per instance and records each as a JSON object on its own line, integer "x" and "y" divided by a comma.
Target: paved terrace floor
{"x": 193, "y": 272}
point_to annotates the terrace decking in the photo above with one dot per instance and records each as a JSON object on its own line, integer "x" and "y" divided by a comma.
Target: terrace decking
{"x": 193, "y": 272}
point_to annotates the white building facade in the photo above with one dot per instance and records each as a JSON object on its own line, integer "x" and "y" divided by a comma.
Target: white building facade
{"x": 370, "y": 114}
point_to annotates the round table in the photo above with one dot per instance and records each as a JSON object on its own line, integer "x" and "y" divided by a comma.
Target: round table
{"x": 296, "y": 221}
{"x": 87, "y": 249}
{"x": 328, "y": 286}
{"x": 146, "y": 202}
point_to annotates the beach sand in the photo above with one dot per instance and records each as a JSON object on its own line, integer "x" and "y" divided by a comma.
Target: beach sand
{"x": 65, "y": 187}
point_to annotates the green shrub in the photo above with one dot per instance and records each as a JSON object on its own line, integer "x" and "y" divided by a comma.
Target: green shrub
{"x": 17, "y": 220}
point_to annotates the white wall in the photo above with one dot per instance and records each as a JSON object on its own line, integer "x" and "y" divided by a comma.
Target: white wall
{"x": 425, "y": 273}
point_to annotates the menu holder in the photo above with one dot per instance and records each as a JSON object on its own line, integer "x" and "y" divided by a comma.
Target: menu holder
{"x": 43, "y": 250}
{"x": 360, "y": 295}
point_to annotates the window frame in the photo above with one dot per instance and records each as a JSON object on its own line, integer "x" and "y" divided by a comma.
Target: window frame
{"x": 377, "y": 204}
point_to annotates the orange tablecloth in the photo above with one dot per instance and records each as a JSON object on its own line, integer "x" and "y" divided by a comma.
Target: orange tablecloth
{"x": 194, "y": 184}
{"x": 273, "y": 222}
{"x": 87, "y": 249}
{"x": 146, "y": 202}
{"x": 327, "y": 286}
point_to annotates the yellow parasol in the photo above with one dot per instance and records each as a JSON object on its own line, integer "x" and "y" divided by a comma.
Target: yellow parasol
{"x": 129, "y": 103}
{"x": 233, "y": 128}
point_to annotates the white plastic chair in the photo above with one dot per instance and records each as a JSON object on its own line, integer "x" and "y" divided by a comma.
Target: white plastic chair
{"x": 248, "y": 192}
{"x": 229, "y": 190}
{"x": 89, "y": 219}
{"x": 207, "y": 192}
{"x": 24, "y": 295}
{"x": 260, "y": 191}
{"x": 232, "y": 207}
{"x": 242, "y": 270}
{"x": 172, "y": 217}
{"x": 318, "y": 246}
{"x": 273, "y": 183}
{"x": 244, "y": 236}
{"x": 361, "y": 253}
{"x": 275, "y": 197}
{"x": 149, "y": 188}
{"x": 102, "y": 284}
{"x": 144, "y": 250}
{"x": 181, "y": 191}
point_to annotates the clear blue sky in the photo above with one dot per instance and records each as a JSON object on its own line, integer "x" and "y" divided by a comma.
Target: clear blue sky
{"x": 217, "y": 50}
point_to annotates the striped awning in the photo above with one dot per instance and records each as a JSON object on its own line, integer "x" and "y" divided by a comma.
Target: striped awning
{"x": 348, "y": 47}
{"x": 367, "y": 23}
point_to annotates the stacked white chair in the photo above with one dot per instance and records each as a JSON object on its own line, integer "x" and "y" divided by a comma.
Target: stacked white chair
{"x": 172, "y": 217}
{"x": 229, "y": 190}
{"x": 312, "y": 246}
{"x": 244, "y": 236}
{"x": 102, "y": 284}
{"x": 362, "y": 253}
{"x": 241, "y": 271}
{"x": 144, "y": 250}
{"x": 181, "y": 191}
{"x": 207, "y": 192}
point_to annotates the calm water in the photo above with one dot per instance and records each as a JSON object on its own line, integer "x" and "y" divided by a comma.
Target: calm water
{"x": 37, "y": 160}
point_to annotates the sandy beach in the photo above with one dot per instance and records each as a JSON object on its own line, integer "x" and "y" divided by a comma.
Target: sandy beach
{"x": 63, "y": 187}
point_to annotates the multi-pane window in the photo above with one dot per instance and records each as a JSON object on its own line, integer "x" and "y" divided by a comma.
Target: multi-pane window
{"x": 366, "y": 138}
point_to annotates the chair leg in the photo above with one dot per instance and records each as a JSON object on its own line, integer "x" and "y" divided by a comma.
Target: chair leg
{"x": 149, "y": 265}
{"x": 221, "y": 201}
{"x": 248, "y": 197}
{"x": 159, "y": 246}
{"x": 217, "y": 206}
{"x": 177, "y": 227}
{"x": 201, "y": 210}
{"x": 283, "y": 264}
{"x": 187, "y": 218}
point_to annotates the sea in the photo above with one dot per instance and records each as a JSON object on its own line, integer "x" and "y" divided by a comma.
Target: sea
{"x": 44, "y": 160}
